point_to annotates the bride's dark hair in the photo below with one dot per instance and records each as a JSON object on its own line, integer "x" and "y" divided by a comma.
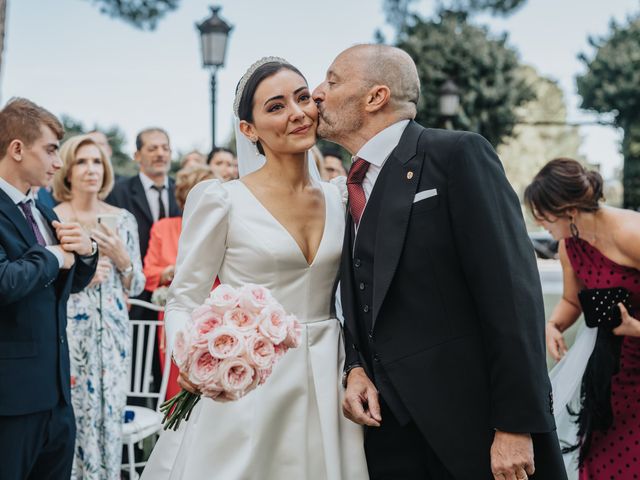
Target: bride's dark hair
{"x": 245, "y": 107}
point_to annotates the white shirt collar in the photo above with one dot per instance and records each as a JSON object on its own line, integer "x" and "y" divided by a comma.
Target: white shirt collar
{"x": 378, "y": 148}
{"x": 147, "y": 183}
{"x": 14, "y": 194}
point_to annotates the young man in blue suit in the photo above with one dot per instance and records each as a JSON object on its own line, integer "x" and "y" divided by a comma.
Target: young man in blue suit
{"x": 42, "y": 261}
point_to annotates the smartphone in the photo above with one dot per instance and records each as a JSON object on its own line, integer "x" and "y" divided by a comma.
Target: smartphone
{"x": 109, "y": 220}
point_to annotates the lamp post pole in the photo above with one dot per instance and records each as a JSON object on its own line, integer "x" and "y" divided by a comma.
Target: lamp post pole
{"x": 214, "y": 71}
{"x": 214, "y": 33}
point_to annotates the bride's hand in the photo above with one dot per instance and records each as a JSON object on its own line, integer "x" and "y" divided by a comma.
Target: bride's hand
{"x": 555, "y": 341}
{"x": 183, "y": 381}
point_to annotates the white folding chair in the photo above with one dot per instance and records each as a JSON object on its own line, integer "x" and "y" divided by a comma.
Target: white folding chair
{"x": 146, "y": 421}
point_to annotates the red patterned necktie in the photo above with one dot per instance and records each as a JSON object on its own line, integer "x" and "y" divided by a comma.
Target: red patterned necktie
{"x": 357, "y": 199}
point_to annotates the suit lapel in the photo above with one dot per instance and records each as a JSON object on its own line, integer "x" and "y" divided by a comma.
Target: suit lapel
{"x": 139, "y": 197}
{"x": 403, "y": 175}
{"x": 13, "y": 213}
{"x": 346, "y": 276}
{"x": 47, "y": 213}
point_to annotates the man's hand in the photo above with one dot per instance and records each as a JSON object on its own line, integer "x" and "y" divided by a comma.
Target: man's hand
{"x": 512, "y": 456}
{"x": 361, "y": 403}
{"x": 73, "y": 238}
{"x": 68, "y": 258}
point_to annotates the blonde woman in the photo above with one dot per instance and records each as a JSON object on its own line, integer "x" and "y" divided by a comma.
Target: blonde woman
{"x": 97, "y": 328}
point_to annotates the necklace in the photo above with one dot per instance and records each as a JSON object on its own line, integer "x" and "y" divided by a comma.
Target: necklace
{"x": 86, "y": 225}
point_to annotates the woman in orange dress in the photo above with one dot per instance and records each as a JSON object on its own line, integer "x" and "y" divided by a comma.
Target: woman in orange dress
{"x": 159, "y": 263}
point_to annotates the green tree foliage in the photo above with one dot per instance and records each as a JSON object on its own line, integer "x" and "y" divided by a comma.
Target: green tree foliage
{"x": 398, "y": 12}
{"x": 531, "y": 146}
{"x": 494, "y": 7}
{"x": 483, "y": 67}
{"x": 123, "y": 164}
{"x": 143, "y": 14}
{"x": 611, "y": 84}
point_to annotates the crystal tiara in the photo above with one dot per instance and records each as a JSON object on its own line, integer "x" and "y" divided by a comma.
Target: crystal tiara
{"x": 248, "y": 74}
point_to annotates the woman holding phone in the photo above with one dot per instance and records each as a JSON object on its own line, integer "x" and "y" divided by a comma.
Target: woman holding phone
{"x": 98, "y": 321}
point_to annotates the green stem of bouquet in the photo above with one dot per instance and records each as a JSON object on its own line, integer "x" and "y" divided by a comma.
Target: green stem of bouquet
{"x": 178, "y": 408}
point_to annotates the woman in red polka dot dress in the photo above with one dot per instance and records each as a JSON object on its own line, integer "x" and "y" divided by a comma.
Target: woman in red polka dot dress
{"x": 599, "y": 248}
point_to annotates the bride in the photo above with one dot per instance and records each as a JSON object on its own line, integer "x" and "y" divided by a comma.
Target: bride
{"x": 279, "y": 227}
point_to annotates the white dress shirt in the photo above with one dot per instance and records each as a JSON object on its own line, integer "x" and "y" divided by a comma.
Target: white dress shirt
{"x": 376, "y": 151}
{"x": 18, "y": 197}
{"x": 152, "y": 195}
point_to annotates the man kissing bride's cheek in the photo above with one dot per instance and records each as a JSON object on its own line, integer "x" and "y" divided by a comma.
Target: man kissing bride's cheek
{"x": 417, "y": 360}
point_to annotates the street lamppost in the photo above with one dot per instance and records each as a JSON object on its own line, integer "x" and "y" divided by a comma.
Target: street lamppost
{"x": 214, "y": 33}
{"x": 449, "y": 102}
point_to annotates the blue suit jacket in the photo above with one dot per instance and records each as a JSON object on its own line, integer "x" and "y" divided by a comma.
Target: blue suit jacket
{"x": 34, "y": 357}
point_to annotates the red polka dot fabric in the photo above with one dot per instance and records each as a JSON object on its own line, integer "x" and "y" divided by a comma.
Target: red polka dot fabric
{"x": 614, "y": 454}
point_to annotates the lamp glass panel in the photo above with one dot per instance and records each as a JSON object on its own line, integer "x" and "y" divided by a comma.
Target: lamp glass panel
{"x": 214, "y": 45}
{"x": 449, "y": 104}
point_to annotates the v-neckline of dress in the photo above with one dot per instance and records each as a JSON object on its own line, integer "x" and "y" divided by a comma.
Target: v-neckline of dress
{"x": 286, "y": 230}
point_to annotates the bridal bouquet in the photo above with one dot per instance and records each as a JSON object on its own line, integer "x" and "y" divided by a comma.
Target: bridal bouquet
{"x": 229, "y": 347}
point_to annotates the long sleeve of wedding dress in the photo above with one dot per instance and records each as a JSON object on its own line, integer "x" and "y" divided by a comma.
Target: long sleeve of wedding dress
{"x": 200, "y": 252}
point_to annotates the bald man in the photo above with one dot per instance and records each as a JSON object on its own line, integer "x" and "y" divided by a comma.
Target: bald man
{"x": 444, "y": 320}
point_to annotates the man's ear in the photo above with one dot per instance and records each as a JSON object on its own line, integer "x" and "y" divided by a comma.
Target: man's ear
{"x": 15, "y": 150}
{"x": 377, "y": 97}
{"x": 249, "y": 131}
{"x": 136, "y": 156}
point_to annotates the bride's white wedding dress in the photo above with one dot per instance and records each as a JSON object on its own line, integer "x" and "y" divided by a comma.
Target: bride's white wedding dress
{"x": 292, "y": 426}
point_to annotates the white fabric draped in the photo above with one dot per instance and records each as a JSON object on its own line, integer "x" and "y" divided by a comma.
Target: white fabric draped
{"x": 566, "y": 380}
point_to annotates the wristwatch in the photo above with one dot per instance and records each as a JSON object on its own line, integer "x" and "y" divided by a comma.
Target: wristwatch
{"x": 94, "y": 248}
{"x": 345, "y": 373}
{"x": 127, "y": 271}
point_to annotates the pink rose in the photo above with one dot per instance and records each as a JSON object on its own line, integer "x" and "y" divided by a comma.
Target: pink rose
{"x": 203, "y": 326}
{"x": 200, "y": 311}
{"x": 240, "y": 319}
{"x": 263, "y": 374}
{"x": 272, "y": 323}
{"x": 212, "y": 391}
{"x": 254, "y": 297}
{"x": 260, "y": 352}
{"x": 204, "y": 369}
{"x": 225, "y": 342}
{"x": 293, "y": 332}
{"x": 280, "y": 350}
{"x": 236, "y": 376}
{"x": 181, "y": 350}
{"x": 222, "y": 298}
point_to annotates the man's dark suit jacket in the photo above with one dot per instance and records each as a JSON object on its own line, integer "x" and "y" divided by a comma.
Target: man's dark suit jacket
{"x": 457, "y": 320}
{"x": 34, "y": 356}
{"x": 130, "y": 195}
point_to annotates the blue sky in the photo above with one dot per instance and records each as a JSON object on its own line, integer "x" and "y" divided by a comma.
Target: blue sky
{"x": 71, "y": 59}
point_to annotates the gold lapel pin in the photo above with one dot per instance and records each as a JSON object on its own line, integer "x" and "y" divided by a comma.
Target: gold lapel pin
{"x": 409, "y": 175}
